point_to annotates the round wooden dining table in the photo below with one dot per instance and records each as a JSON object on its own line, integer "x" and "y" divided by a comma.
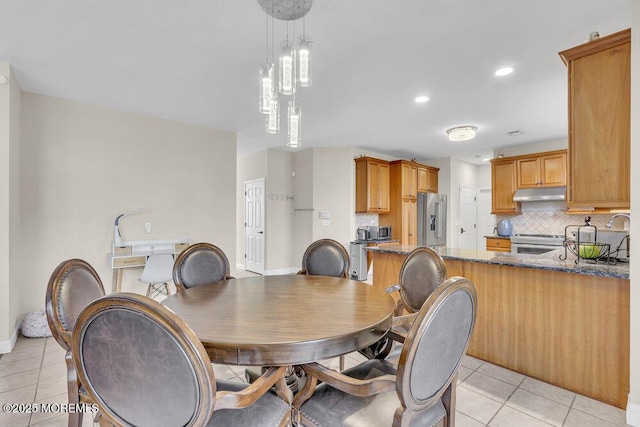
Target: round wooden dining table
{"x": 283, "y": 320}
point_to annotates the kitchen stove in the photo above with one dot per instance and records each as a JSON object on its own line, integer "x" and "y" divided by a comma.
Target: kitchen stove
{"x": 535, "y": 243}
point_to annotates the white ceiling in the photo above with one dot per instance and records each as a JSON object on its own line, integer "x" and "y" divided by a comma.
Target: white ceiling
{"x": 196, "y": 62}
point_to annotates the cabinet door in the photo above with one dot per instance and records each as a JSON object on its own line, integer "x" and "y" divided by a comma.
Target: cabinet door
{"x": 553, "y": 170}
{"x": 599, "y": 122}
{"x": 423, "y": 180}
{"x": 529, "y": 173}
{"x": 503, "y": 186}
{"x": 374, "y": 188}
{"x": 409, "y": 181}
{"x": 409, "y": 233}
{"x": 433, "y": 181}
{"x": 383, "y": 187}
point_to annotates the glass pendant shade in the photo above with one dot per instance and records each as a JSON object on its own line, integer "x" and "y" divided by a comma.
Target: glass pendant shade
{"x": 287, "y": 77}
{"x": 294, "y": 119}
{"x": 272, "y": 119}
{"x": 304, "y": 62}
{"x": 267, "y": 88}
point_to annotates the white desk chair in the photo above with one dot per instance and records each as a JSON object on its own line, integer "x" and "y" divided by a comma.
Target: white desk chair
{"x": 158, "y": 271}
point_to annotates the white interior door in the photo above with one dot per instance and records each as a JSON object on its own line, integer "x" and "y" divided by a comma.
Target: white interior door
{"x": 467, "y": 218}
{"x": 486, "y": 221}
{"x": 254, "y": 241}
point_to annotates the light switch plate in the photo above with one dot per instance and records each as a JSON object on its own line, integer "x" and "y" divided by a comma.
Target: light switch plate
{"x": 147, "y": 227}
{"x": 325, "y": 214}
{"x": 326, "y": 222}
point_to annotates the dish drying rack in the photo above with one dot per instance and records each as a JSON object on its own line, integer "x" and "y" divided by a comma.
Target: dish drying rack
{"x": 583, "y": 247}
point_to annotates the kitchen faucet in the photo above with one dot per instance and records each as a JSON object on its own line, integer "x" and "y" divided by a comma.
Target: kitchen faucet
{"x": 610, "y": 223}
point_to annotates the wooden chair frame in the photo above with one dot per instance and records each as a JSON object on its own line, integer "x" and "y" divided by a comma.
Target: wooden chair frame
{"x": 210, "y": 399}
{"x": 400, "y": 382}
{"x": 62, "y": 333}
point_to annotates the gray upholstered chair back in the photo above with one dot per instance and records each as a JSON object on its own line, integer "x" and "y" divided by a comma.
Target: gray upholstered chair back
{"x": 142, "y": 364}
{"x": 436, "y": 343}
{"x": 200, "y": 264}
{"x": 421, "y": 273}
{"x": 72, "y": 286}
{"x": 325, "y": 257}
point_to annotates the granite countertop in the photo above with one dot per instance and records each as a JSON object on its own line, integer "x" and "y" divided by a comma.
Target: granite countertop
{"x": 377, "y": 241}
{"x": 547, "y": 261}
{"x": 495, "y": 236}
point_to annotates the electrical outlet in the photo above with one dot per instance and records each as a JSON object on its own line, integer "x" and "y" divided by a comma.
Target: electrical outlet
{"x": 147, "y": 227}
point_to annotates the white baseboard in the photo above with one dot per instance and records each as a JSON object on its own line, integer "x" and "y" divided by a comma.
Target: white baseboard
{"x": 7, "y": 345}
{"x": 288, "y": 270}
{"x": 633, "y": 414}
{"x": 276, "y": 272}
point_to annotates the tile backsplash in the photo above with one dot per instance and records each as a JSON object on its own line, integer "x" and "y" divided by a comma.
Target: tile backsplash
{"x": 554, "y": 222}
{"x": 366, "y": 219}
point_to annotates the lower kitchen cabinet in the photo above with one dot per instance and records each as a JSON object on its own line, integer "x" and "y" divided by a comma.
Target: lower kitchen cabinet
{"x": 498, "y": 244}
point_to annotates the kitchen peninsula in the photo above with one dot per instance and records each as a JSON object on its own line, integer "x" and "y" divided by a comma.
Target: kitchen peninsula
{"x": 553, "y": 320}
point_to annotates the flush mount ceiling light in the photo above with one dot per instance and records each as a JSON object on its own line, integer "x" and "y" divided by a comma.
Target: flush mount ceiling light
{"x": 3, "y": 79}
{"x": 505, "y": 71}
{"x": 421, "y": 99}
{"x": 294, "y": 68}
{"x": 462, "y": 133}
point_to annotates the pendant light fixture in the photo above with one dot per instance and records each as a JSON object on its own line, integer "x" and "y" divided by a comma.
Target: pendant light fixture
{"x": 294, "y": 119}
{"x": 304, "y": 59}
{"x": 294, "y": 69}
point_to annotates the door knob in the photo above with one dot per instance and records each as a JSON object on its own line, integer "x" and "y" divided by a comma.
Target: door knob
{"x": 462, "y": 230}
{"x": 260, "y": 232}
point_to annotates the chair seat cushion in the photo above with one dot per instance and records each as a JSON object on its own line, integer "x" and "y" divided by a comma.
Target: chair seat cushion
{"x": 331, "y": 407}
{"x": 269, "y": 410}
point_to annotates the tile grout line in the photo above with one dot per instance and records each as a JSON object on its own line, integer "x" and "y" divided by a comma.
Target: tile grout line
{"x": 35, "y": 393}
{"x": 506, "y": 400}
{"x": 575, "y": 395}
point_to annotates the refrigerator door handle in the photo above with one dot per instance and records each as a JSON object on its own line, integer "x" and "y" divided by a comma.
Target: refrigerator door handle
{"x": 439, "y": 220}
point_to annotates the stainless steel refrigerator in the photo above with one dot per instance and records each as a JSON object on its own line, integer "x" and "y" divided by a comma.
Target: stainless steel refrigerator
{"x": 432, "y": 219}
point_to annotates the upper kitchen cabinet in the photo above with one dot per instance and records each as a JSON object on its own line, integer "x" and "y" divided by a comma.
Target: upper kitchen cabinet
{"x": 504, "y": 186}
{"x": 547, "y": 169}
{"x": 372, "y": 185}
{"x": 427, "y": 179}
{"x": 599, "y": 122}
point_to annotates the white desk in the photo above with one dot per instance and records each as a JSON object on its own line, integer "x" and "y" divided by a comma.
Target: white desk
{"x": 134, "y": 253}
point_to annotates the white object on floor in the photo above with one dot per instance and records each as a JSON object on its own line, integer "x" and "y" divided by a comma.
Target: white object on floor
{"x": 34, "y": 325}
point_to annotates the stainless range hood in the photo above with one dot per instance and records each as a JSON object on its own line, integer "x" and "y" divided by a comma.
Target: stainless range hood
{"x": 543, "y": 194}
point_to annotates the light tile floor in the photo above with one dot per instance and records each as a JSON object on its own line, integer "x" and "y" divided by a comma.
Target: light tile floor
{"x": 487, "y": 395}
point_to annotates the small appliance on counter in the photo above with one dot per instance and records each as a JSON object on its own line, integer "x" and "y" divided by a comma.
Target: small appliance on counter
{"x": 505, "y": 228}
{"x": 374, "y": 233}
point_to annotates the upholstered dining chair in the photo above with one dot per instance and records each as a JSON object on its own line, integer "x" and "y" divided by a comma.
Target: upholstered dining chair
{"x": 144, "y": 366}
{"x": 200, "y": 264}
{"x": 72, "y": 286}
{"x": 422, "y": 271}
{"x": 325, "y": 257}
{"x": 420, "y": 391}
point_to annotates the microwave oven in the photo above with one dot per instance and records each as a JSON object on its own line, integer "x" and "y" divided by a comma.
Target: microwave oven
{"x": 380, "y": 232}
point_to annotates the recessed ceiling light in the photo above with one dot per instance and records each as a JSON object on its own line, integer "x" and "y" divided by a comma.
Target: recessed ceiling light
{"x": 3, "y": 79}
{"x": 504, "y": 71}
{"x": 422, "y": 99}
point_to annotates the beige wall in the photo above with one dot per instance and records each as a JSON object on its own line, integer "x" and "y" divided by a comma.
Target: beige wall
{"x": 279, "y": 213}
{"x": 82, "y": 165}
{"x": 10, "y": 97}
{"x": 633, "y": 408}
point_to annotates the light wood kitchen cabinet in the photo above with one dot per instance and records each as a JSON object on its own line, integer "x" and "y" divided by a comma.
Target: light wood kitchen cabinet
{"x": 599, "y": 122}
{"x": 547, "y": 169}
{"x": 427, "y": 179}
{"x": 409, "y": 227}
{"x": 503, "y": 186}
{"x": 406, "y": 180}
{"x": 372, "y": 185}
{"x": 498, "y": 244}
